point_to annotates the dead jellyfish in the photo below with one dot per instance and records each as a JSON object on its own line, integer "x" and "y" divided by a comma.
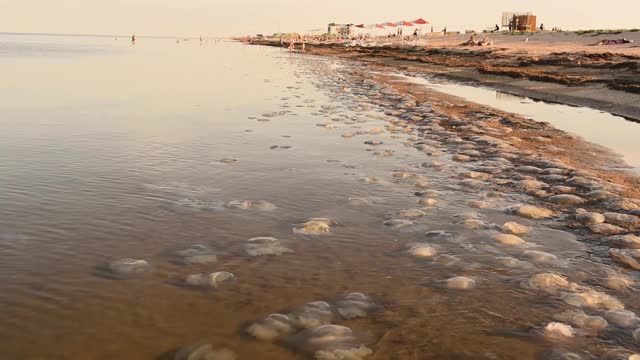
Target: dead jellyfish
{"x": 624, "y": 241}
{"x": 620, "y": 354}
{"x": 622, "y": 318}
{"x": 540, "y": 257}
{"x": 478, "y": 204}
{"x": 460, "y": 283}
{"x": 273, "y": 327}
{"x": 578, "y": 318}
{"x": 514, "y": 228}
{"x": 227, "y": 160}
{"x": 549, "y": 283}
{"x": 558, "y": 331}
{"x": 261, "y": 205}
{"x": 592, "y": 299}
{"x": 239, "y": 204}
{"x": 423, "y": 251}
{"x": 213, "y": 280}
{"x": 625, "y": 257}
{"x": 197, "y": 254}
{"x": 438, "y": 235}
{"x": 590, "y": 218}
{"x": 513, "y": 263}
{"x": 330, "y": 342}
{"x": 411, "y": 213}
{"x": 354, "y": 305}
{"x": 126, "y": 268}
{"x": 263, "y": 246}
{"x": 315, "y": 226}
{"x": 398, "y": 223}
{"x": 619, "y": 282}
{"x": 473, "y": 224}
{"x": 370, "y": 180}
{"x": 532, "y": 212}
{"x": 358, "y": 201}
{"x": 258, "y": 205}
{"x": 204, "y": 352}
{"x": 312, "y": 314}
{"x": 428, "y": 202}
{"x": 508, "y": 240}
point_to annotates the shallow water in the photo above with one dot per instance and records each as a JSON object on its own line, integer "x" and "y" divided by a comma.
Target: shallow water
{"x": 599, "y": 127}
{"x": 127, "y": 152}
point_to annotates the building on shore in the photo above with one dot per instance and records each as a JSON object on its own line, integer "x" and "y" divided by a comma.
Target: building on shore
{"x": 343, "y": 30}
{"x": 519, "y": 21}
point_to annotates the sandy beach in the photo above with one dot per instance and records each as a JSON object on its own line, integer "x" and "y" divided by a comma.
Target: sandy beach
{"x": 604, "y": 77}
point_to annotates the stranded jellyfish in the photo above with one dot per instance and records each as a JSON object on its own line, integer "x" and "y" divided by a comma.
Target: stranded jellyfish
{"x": 126, "y": 268}
{"x": 581, "y": 320}
{"x": 258, "y": 205}
{"x": 273, "y": 327}
{"x": 263, "y": 246}
{"x": 423, "y": 251}
{"x": 549, "y": 283}
{"x": 315, "y": 226}
{"x": 398, "y": 223}
{"x": 558, "y": 331}
{"x": 330, "y": 342}
{"x": 508, "y": 240}
{"x": 461, "y": 283}
{"x": 592, "y": 299}
{"x": 213, "y": 280}
{"x": 312, "y": 314}
{"x": 354, "y": 305}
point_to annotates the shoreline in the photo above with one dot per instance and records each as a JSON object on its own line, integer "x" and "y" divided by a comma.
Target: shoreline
{"x": 601, "y": 79}
{"x": 567, "y": 148}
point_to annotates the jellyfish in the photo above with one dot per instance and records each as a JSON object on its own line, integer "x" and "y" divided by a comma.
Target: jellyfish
{"x": 273, "y": 327}
{"x": 213, "y": 280}
{"x": 197, "y": 254}
{"x": 126, "y": 268}
{"x": 263, "y": 246}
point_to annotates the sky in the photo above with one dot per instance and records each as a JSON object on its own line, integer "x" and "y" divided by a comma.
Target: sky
{"x": 245, "y": 17}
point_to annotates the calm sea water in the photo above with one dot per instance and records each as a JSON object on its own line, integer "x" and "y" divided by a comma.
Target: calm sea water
{"x": 111, "y": 150}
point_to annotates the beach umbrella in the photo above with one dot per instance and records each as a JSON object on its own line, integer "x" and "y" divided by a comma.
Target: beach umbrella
{"x": 361, "y": 26}
{"x": 404, "y": 23}
{"x": 389, "y": 24}
{"x": 420, "y": 22}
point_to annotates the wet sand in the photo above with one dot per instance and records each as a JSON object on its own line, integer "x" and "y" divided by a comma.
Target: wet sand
{"x": 447, "y": 216}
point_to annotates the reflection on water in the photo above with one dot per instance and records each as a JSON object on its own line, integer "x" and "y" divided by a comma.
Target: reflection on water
{"x": 613, "y": 132}
{"x": 224, "y": 153}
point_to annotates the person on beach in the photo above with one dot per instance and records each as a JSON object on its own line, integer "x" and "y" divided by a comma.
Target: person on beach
{"x": 133, "y": 39}
{"x": 444, "y": 31}
{"x": 541, "y": 27}
{"x": 415, "y": 34}
{"x": 292, "y": 46}
{"x": 282, "y": 40}
{"x": 497, "y": 28}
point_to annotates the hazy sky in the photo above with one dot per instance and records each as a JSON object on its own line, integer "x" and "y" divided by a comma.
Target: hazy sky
{"x": 240, "y": 17}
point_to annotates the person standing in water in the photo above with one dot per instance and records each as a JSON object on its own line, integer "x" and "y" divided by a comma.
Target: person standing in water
{"x": 133, "y": 39}
{"x": 292, "y": 46}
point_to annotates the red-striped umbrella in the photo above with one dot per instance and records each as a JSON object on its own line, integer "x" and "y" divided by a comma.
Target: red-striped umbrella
{"x": 420, "y": 21}
{"x": 389, "y": 24}
{"x": 404, "y": 23}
